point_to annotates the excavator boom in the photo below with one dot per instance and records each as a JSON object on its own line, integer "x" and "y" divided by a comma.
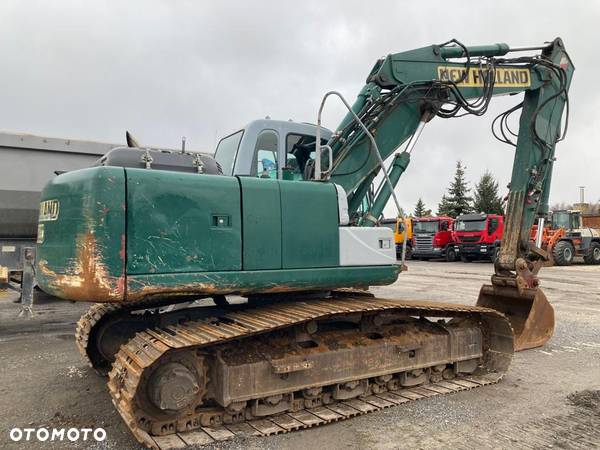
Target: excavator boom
{"x": 406, "y": 90}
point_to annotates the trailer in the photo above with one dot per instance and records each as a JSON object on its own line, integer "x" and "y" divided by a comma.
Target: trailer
{"x": 27, "y": 163}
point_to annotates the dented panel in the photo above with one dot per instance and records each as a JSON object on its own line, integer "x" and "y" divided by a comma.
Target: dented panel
{"x": 181, "y": 222}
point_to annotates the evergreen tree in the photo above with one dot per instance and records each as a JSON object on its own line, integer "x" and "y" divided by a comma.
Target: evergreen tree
{"x": 486, "y": 195}
{"x": 457, "y": 201}
{"x": 421, "y": 210}
{"x": 445, "y": 207}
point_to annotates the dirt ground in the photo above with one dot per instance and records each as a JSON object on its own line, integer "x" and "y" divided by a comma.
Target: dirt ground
{"x": 549, "y": 398}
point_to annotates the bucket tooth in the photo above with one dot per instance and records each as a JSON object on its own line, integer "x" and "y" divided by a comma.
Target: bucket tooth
{"x": 529, "y": 312}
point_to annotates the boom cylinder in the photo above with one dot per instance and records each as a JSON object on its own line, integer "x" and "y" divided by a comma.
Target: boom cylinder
{"x": 401, "y": 161}
{"x": 456, "y": 51}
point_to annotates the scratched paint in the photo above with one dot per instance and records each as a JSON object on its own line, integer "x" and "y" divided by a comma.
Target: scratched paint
{"x": 254, "y": 282}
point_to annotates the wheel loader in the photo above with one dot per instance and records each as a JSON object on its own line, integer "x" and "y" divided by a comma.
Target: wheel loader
{"x": 231, "y": 292}
{"x": 567, "y": 237}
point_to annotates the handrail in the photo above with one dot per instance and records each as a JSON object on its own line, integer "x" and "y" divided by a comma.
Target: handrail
{"x": 373, "y": 142}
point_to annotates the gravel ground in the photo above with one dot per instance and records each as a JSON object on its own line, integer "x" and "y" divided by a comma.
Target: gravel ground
{"x": 549, "y": 398}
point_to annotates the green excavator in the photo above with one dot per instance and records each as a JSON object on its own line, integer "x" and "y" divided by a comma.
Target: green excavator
{"x": 230, "y": 292}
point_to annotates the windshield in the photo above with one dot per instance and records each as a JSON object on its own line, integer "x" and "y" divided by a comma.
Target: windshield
{"x": 226, "y": 150}
{"x": 390, "y": 225}
{"x": 469, "y": 225}
{"x": 430, "y": 226}
{"x": 561, "y": 220}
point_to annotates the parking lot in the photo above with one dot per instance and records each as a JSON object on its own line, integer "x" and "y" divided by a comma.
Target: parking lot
{"x": 550, "y": 397}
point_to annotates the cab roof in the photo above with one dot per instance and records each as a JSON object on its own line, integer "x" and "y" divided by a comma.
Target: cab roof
{"x": 432, "y": 219}
{"x": 472, "y": 217}
{"x": 475, "y": 217}
{"x": 289, "y": 126}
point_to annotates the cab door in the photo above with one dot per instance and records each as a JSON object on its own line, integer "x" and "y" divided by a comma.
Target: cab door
{"x": 494, "y": 230}
{"x": 266, "y": 162}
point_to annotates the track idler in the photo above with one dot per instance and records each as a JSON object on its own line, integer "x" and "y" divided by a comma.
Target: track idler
{"x": 523, "y": 303}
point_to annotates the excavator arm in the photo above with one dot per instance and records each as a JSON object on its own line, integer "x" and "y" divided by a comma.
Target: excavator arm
{"x": 404, "y": 91}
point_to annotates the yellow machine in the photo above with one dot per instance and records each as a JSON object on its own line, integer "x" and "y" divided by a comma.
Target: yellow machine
{"x": 400, "y": 226}
{"x": 404, "y": 228}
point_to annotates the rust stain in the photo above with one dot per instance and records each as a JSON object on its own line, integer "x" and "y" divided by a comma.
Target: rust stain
{"x": 87, "y": 278}
{"x": 178, "y": 290}
{"x": 121, "y": 285}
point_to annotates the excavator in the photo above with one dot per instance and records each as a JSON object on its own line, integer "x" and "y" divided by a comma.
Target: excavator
{"x": 230, "y": 293}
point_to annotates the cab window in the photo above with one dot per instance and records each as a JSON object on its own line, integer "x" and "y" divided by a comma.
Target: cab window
{"x": 299, "y": 150}
{"x": 391, "y": 224}
{"x": 576, "y": 220}
{"x": 265, "y": 155}
{"x": 226, "y": 151}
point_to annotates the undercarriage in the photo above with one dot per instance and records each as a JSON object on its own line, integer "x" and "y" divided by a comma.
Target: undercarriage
{"x": 199, "y": 374}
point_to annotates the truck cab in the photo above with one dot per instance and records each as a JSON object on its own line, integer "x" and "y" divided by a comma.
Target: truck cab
{"x": 401, "y": 227}
{"x": 432, "y": 238}
{"x": 478, "y": 236}
{"x": 269, "y": 148}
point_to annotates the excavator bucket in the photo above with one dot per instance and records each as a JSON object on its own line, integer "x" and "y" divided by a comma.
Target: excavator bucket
{"x": 528, "y": 310}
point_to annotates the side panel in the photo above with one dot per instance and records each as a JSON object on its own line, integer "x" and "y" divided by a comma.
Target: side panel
{"x": 81, "y": 235}
{"x": 309, "y": 224}
{"x": 367, "y": 246}
{"x": 179, "y": 222}
{"x": 261, "y": 219}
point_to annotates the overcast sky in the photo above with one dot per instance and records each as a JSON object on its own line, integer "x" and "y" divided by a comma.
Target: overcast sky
{"x": 166, "y": 69}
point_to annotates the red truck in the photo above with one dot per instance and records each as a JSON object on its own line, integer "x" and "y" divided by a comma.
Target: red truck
{"x": 478, "y": 236}
{"x": 432, "y": 238}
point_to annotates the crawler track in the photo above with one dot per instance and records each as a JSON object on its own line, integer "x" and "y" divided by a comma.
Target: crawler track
{"x": 309, "y": 418}
{"x": 205, "y": 424}
{"x": 85, "y": 325}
